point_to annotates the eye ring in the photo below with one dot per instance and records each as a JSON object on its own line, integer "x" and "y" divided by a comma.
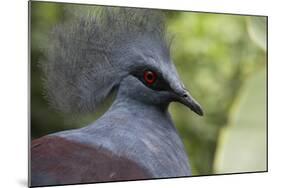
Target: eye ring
{"x": 149, "y": 77}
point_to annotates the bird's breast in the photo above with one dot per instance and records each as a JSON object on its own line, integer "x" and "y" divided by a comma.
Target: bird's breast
{"x": 154, "y": 145}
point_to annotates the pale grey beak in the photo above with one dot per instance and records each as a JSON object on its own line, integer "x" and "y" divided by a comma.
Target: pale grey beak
{"x": 186, "y": 99}
{"x": 181, "y": 94}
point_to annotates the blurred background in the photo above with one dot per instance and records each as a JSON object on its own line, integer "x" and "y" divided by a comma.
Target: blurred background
{"x": 221, "y": 58}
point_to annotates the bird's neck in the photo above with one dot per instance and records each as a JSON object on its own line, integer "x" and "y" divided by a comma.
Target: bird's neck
{"x": 123, "y": 102}
{"x": 139, "y": 106}
{"x": 142, "y": 115}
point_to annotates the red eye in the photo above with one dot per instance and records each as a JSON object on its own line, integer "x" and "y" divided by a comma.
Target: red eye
{"x": 149, "y": 77}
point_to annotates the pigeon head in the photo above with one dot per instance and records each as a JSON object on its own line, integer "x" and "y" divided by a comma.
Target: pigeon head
{"x": 112, "y": 49}
{"x": 151, "y": 76}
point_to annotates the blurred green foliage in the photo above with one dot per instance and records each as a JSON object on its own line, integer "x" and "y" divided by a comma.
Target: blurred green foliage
{"x": 247, "y": 123}
{"x": 215, "y": 55}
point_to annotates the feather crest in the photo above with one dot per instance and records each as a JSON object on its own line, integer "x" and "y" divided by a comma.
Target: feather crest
{"x": 82, "y": 62}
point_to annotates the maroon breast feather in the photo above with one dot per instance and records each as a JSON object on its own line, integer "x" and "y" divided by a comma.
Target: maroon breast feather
{"x": 56, "y": 160}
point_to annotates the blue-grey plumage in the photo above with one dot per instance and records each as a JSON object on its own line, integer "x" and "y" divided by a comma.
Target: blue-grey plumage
{"x": 140, "y": 131}
{"x": 90, "y": 61}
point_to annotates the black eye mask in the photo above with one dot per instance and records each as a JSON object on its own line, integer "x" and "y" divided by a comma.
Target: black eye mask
{"x": 152, "y": 79}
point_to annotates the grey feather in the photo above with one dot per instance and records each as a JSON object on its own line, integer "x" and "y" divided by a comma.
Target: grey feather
{"x": 86, "y": 56}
